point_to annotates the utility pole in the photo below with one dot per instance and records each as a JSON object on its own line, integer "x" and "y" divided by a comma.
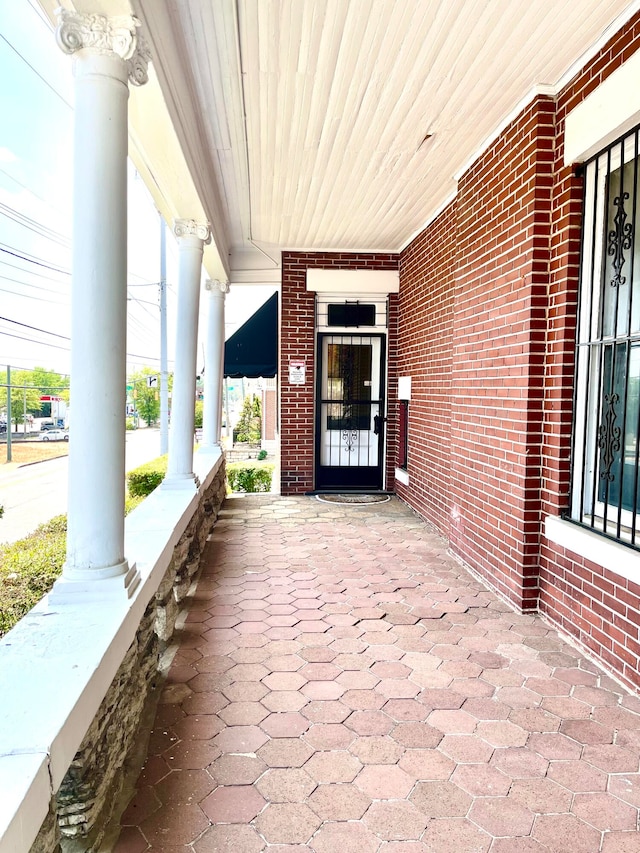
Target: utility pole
{"x": 164, "y": 373}
{"x": 8, "y": 413}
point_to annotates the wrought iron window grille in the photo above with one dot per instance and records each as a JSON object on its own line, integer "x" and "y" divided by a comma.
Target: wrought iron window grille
{"x": 605, "y": 480}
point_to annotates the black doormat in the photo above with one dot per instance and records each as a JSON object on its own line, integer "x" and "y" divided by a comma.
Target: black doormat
{"x": 353, "y": 499}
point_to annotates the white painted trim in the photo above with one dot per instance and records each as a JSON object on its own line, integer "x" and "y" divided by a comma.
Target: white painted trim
{"x": 250, "y": 276}
{"x": 550, "y": 91}
{"x": 431, "y": 219}
{"x": 404, "y": 388}
{"x": 402, "y": 476}
{"x": 41, "y": 723}
{"x": 592, "y": 51}
{"x": 616, "y": 558}
{"x": 353, "y": 281}
{"x": 609, "y": 111}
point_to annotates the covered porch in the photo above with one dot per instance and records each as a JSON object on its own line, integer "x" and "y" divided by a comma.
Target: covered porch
{"x": 342, "y": 683}
{"x": 415, "y": 176}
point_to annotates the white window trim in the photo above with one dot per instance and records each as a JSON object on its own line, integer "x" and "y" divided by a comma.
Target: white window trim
{"x": 402, "y": 476}
{"x": 613, "y": 557}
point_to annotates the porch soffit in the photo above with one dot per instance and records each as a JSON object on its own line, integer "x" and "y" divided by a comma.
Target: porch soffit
{"x": 302, "y": 123}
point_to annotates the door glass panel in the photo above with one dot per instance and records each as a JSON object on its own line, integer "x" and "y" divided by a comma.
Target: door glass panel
{"x": 351, "y": 389}
{"x": 349, "y": 380}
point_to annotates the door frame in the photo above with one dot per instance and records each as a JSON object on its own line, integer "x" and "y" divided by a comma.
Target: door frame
{"x": 357, "y": 478}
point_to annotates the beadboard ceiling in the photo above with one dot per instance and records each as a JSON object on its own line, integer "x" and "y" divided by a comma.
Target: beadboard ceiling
{"x": 341, "y": 124}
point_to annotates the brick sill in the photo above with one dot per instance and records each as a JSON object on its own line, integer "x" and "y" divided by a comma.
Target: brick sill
{"x": 618, "y": 559}
{"x": 58, "y": 662}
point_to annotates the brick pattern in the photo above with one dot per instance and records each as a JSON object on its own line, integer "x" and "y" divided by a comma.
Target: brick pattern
{"x": 298, "y": 342}
{"x": 499, "y": 331}
{"x": 344, "y": 684}
{"x": 599, "y": 609}
{"x": 427, "y": 268}
{"x": 488, "y": 308}
{"x": 474, "y": 285}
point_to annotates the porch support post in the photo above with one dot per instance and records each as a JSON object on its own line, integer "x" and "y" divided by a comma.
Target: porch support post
{"x": 214, "y": 365}
{"x": 107, "y": 52}
{"x": 192, "y": 237}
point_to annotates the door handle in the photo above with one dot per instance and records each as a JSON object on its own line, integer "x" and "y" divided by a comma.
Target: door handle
{"x": 378, "y": 420}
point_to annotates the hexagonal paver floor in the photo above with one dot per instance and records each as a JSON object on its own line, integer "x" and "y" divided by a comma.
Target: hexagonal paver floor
{"x": 343, "y": 685}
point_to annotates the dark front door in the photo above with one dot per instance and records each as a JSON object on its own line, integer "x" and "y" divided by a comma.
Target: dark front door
{"x": 350, "y": 412}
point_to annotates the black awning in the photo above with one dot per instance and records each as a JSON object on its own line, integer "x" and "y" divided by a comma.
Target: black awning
{"x": 252, "y": 350}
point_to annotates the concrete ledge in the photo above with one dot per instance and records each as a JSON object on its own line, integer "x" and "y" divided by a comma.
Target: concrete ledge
{"x": 58, "y": 663}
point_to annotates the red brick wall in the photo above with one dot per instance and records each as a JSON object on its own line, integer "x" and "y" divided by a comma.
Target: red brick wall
{"x": 488, "y": 303}
{"x": 499, "y": 330}
{"x": 425, "y": 339}
{"x": 598, "y": 608}
{"x": 298, "y": 342}
{"x": 473, "y": 326}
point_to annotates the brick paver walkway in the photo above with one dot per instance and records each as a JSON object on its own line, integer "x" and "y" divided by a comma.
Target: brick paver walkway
{"x": 345, "y": 686}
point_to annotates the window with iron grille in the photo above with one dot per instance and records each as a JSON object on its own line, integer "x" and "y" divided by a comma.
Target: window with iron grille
{"x": 605, "y": 483}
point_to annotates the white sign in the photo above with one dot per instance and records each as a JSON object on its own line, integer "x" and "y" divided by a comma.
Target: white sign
{"x": 296, "y": 372}
{"x": 152, "y": 381}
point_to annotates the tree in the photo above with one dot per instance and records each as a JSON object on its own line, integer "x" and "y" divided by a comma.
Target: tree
{"x": 199, "y": 414}
{"x": 147, "y": 400}
{"x": 50, "y": 382}
{"x": 21, "y": 389}
{"x": 250, "y": 424}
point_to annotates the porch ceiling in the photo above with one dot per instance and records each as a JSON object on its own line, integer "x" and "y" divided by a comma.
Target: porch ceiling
{"x": 303, "y": 122}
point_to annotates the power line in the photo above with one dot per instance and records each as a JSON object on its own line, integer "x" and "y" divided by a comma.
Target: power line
{"x": 35, "y": 328}
{"x": 29, "y": 272}
{"x": 29, "y": 190}
{"x": 24, "y": 257}
{"x": 37, "y": 73}
{"x": 33, "y": 341}
{"x": 27, "y": 284}
{"x": 28, "y": 296}
{"x": 37, "y": 227}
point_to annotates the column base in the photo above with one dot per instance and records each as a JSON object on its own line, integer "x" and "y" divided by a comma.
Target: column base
{"x": 186, "y": 482}
{"x": 82, "y": 586}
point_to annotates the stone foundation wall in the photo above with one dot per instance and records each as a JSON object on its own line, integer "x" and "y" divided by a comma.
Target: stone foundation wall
{"x": 86, "y": 799}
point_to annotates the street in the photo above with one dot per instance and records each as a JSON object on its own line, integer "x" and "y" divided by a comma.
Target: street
{"x": 35, "y": 493}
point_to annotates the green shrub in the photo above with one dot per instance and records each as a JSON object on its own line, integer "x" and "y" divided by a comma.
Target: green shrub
{"x": 249, "y": 476}
{"x": 199, "y": 414}
{"x": 29, "y": 568}
{"x": 130, "y": 423}
{"x": 262, "y": 455}
{"x": 130, "y": 503}
{"x": 141, "y": 481}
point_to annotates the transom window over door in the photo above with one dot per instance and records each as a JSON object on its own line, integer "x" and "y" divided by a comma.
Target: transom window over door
{"x": 606, "y": 446}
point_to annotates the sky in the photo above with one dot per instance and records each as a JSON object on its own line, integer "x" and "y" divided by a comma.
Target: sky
{"x": 36, "y": 174}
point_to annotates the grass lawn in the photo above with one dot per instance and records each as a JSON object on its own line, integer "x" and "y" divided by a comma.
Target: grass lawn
{"x": 24, "y": 452}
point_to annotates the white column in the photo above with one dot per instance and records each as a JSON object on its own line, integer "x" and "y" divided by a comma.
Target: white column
{"x": 214, "y": 365}
{"x": 107, "y": 52}
{"x": 191, "y": 237}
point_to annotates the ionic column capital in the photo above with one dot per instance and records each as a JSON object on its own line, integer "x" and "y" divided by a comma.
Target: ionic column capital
{"x": 105, "y": 36}
{"x": 217, "y": 287}
{"x": 191, "y": 228}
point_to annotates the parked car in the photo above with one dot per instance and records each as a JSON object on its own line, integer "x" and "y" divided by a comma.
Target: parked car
{"x": 54, "y": 435}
